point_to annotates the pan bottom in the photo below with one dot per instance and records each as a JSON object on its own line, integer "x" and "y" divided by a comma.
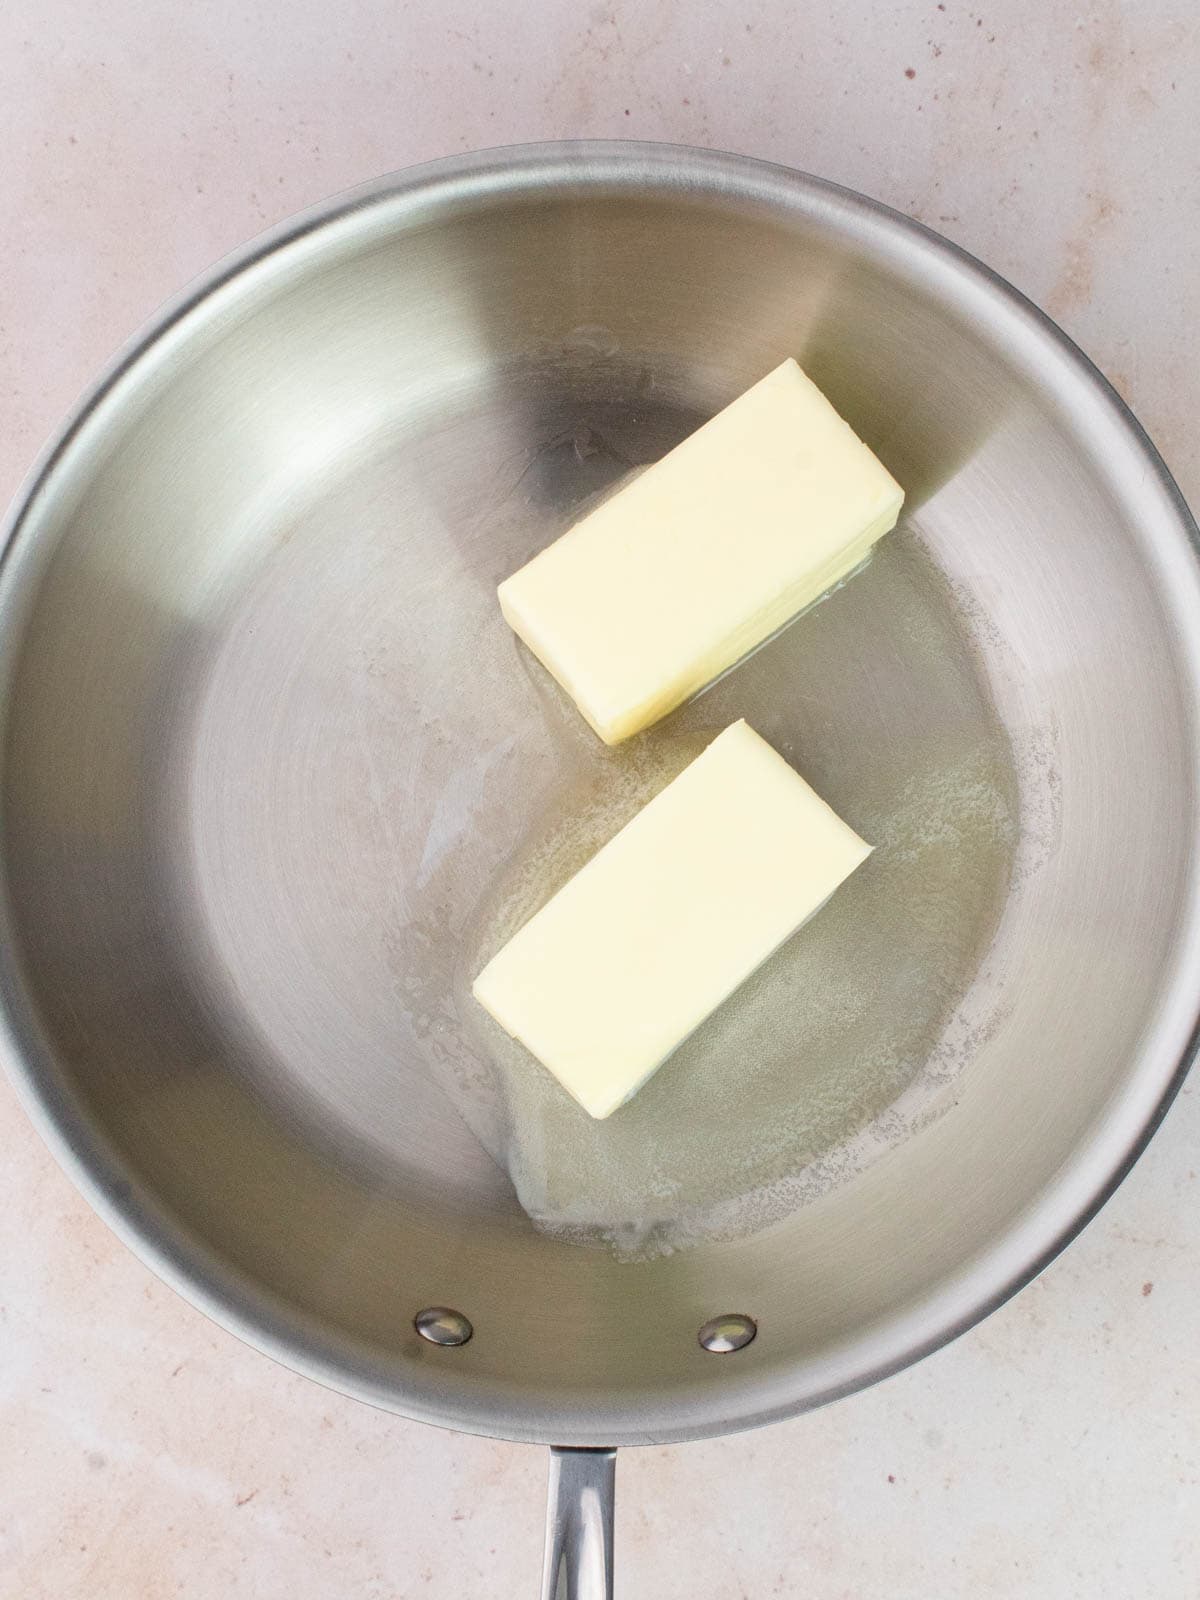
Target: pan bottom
{"x": 375, "y": 785}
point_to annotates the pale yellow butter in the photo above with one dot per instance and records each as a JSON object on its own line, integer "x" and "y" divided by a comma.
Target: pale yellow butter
{"x": 704, "y": 555}
{"x": 666, "y": 920}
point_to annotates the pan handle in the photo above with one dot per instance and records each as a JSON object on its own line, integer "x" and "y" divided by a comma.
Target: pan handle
{"x": 579, "y": 1525}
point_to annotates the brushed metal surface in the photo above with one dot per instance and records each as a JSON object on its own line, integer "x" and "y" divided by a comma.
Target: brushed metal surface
{"x": 266, "y": 743}
{"x": 580, "y": 1507}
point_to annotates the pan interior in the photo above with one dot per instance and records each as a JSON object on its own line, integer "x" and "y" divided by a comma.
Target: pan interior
{"x": 360, "y": 810}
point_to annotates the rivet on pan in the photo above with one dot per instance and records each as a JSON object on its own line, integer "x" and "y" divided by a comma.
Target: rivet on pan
{"x": 730, "y": 1332}
{"x": 440, "y": 1325}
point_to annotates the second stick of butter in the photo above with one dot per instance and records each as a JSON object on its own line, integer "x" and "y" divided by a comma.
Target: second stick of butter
{"x": 666, "y": 921}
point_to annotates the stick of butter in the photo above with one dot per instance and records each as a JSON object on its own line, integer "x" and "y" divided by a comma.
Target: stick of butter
{"x": 704, "y": 555}
{"x": 668, "y": 918}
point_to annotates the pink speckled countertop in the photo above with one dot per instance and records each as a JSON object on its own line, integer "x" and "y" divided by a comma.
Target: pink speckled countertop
{"x": 1053, "y": 1452}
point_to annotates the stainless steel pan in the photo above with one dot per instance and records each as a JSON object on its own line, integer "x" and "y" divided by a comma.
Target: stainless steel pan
{"x": 276, "y": 775}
